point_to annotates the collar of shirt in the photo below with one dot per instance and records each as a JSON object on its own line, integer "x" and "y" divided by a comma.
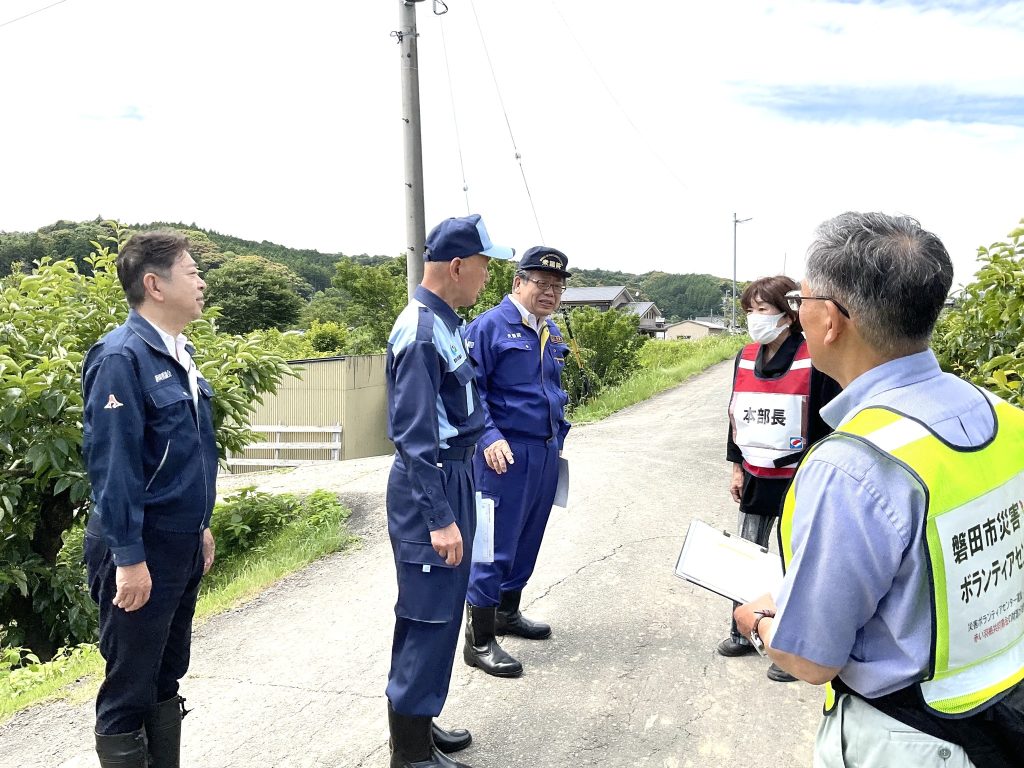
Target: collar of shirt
{"x": 894, "y": 374}
{"x": 438, "y": 307}
{"x": 528, "y": 317}
{"x": 175, "y": 345}
{"x": 782, "y": 359}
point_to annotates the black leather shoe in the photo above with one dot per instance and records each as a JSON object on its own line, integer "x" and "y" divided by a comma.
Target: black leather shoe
{"x": 450, "y": 741}
{"x": 779, "y": 675}
{"x": 509, "y": 621}
{"x": 732, "y": 647}
{"x": 481, "y": 650}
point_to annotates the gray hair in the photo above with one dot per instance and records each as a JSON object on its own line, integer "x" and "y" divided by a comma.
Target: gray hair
{"x": 522, "y": 274}
{"x": 892, "y": 276}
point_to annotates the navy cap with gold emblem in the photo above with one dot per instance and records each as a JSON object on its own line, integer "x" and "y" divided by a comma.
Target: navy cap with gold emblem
{"x": 545, "y": 259}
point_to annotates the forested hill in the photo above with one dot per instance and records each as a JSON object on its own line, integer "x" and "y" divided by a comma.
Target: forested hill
{"x": 73, "y": 239}
{"x": 677, "y": 296}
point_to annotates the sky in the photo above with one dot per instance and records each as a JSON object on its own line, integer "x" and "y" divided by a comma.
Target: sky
{"x": 641, "y": 128}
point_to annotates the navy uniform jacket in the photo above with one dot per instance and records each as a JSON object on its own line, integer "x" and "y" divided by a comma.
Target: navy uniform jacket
{"x": 519, "y": 376}
{"x": 433, "y": 404}
{"x": 150, "y": 453}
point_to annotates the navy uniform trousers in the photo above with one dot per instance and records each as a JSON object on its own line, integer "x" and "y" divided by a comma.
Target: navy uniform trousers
{"x": 522, "y": 504}
{"x": 146, "y": 651}
{"x": 428, "y": 614}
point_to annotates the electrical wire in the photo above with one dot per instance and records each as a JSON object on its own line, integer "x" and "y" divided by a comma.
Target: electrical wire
{"x": 32, "y": 13}
{"x": 455, "y": 117}
{"x": 650, "y": 147}
{"x": 497, "y": 88}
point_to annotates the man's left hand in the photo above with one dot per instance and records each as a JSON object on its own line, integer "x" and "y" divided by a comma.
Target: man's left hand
{"x": 745, "y": 617}
{"x": 209, "y": 550}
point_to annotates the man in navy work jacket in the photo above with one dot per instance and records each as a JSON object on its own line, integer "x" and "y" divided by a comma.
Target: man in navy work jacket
{"x": 434, "y": 420}
{"x": 519, "y": 353}
{"x": 152, "y": 460}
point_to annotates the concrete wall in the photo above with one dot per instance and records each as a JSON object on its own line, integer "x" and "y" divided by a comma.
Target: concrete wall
{"x": 349, "y": 391}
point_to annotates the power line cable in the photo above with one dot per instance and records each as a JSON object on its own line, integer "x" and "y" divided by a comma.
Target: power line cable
{"x": 497, "y": 88}
{"x": 455, "y": 116}
{"x": 650, "y": 147}
{"x": 32, "y": 13}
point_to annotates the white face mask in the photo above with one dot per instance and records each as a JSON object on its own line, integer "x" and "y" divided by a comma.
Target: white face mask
{"x": 764, "y": 329}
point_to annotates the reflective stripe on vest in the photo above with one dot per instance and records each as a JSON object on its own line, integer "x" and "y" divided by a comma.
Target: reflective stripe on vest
{"x": 974, "y": 541}
{"x": 769, "y": 416}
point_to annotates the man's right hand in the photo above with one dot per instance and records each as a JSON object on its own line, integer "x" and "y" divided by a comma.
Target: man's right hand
{"x": 133, "y": 586}
{"x": 736, "y": 483}
{"x": 447, "y": 542}
{"x": 498, "y": 456}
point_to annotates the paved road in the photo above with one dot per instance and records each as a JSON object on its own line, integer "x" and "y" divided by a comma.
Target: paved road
{"x": 630, "y": 677}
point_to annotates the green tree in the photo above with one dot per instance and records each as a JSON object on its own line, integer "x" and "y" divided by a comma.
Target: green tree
{"x": 252, "y": 294}
{"x": 604, "y": 350}
{"x": 378, "y": 295}
{"x": 327, "y": 338}
{"x": 982, "y": 337}
{"x": 51, "y": 316}
{"x": 325, "y": 307}
{"x": 684, "y": 296}
{"x": 498, "y": 284}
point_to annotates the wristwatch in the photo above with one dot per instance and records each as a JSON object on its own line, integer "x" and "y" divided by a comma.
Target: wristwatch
{"x": 755, "y": 639}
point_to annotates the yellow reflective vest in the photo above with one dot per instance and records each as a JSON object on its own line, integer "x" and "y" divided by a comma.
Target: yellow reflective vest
{"x": 974, "y": 540}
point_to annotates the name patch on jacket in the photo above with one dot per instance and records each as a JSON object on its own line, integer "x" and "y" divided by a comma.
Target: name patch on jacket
{"x": 162, "y": 376}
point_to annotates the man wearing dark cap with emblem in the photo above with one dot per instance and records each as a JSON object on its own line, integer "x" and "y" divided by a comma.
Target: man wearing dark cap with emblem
{"x": 519, "y": 354}
{"x": 434, "y": 419}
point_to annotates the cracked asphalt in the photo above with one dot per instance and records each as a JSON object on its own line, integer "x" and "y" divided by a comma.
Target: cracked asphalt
{"x": 296, "y": 676}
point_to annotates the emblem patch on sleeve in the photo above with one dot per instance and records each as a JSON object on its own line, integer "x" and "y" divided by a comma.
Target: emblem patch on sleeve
{"x": 112, "y": 402}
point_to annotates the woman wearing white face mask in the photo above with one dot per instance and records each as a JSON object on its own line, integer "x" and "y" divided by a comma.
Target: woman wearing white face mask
{"x": 773, "y": 418}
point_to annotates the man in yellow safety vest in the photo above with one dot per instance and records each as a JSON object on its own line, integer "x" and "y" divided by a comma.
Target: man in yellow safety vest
{"x": 901, "y": 533}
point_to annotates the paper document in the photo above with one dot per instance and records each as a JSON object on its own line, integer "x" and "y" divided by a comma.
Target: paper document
{"x": 483, "y": 542}
{"x": 562, "y": 489}
{"x": 726, "y": 564}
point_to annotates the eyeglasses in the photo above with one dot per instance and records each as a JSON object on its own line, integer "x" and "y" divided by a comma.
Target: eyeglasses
{"x": 794, "y": 299}
{"x": 545, "y": 286}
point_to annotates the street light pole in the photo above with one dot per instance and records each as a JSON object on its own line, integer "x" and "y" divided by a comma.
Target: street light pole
{"x": 735, "y": 223}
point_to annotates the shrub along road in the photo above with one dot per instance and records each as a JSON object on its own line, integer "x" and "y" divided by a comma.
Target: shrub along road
{"x": 630, "y": 678}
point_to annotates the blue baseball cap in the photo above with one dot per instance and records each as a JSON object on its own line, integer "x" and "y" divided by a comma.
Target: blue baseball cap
{"x": 460, "y": 238}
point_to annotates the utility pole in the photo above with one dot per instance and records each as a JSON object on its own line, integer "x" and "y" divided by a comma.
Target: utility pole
{"x": 735, "y": 223}
{"x": 415, "y": 224}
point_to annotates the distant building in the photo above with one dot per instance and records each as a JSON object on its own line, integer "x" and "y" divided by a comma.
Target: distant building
{"x": 603, "y": 298}
{"x": 694, "y": 329}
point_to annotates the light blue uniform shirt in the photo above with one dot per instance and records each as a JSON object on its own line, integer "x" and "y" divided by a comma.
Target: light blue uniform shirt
{"x": 856, "y": 595}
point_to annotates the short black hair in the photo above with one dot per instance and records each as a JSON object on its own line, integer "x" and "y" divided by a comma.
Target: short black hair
{"x": 145, "y": 252}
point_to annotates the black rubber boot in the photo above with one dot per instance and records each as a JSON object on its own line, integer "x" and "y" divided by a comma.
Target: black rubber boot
{"x": 122, "y": 750}
{"x": 481, "y": 649}
{"x": 509, "y": 621}
{"x": 412, "y": 743}
{"x": 163, "y": 733}
{"x": 450, "y": 741}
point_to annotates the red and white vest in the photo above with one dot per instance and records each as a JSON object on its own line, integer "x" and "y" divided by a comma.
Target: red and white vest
{"x": 769, "y": 416}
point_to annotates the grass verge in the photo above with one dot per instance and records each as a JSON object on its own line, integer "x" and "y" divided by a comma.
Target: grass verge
{"x": 664, "y": 364}
{"x": 232, "y": 581}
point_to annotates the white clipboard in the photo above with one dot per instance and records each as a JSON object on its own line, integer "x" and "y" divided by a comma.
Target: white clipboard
{"x": 726, "y": 564}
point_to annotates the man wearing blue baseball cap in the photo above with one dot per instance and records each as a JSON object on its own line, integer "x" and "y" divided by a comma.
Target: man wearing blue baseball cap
{"x": 519, "y": 355}
{"x": 434, "y": 420}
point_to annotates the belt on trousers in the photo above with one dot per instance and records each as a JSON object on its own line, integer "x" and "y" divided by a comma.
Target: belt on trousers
{"x": 464, "y": 453}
